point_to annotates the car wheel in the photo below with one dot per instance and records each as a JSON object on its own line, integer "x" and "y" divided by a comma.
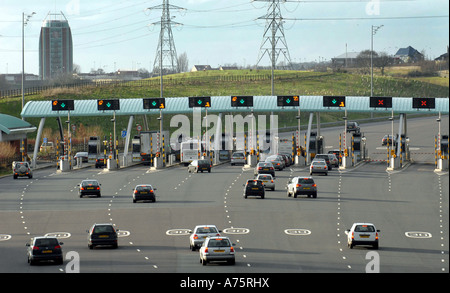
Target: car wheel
{"x": 204, "y": 262}
{"x": 91, "y": 246}
{"x": 315, "y": 195}
{"x": 262, "y": 196}
{"x": 231, "y": 262}
{"x": 295, "y": 195}
{"x": 375, "y": 246}
{"x": 288, "y": 193}
{"x": 134, "y": 201}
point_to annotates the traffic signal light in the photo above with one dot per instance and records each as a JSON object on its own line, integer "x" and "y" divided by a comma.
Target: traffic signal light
{"x": 63, "y": 105}
{"x": 104, "y": 105}
{"x": 242, "y": 101}
{"x": 158, "y": 103}
{"x": 333, "y": 101}
{"x": 201, "y": 102}
{"x": 283, "y": 101}
{"x": 381, "y": 102}
{"x": 423, "y": 103}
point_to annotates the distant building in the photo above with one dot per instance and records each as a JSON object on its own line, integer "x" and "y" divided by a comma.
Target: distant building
{"x": 345, "y": 60}
{"x": 408, "y": 55}
{"x": 201, "y": 68}
{"x": 55, "y": 47}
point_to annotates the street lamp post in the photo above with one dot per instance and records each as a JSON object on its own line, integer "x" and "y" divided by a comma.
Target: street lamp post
{"x": 373, "y": 32}
{"x": 24, "y": 23}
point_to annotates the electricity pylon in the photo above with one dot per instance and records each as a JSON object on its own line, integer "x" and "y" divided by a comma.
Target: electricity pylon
{"x": 166, "y": 60}
{"x": 274, "y": 41}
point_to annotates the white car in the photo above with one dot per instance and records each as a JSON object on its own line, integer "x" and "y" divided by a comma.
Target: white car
{"x": 217, "y": 249}
{"x": 200, "y": 233}
{"x": 362, "y": 234}
{"x": 267, "y": 180}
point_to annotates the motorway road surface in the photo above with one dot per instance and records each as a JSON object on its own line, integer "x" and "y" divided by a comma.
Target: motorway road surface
{"x": 277, "y": 234}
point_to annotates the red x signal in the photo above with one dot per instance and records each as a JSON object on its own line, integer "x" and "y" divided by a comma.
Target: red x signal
{"x": 424, "y": 103}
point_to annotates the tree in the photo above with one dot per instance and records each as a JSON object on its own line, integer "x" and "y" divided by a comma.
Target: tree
{"x": 363, "y": 61}
{"x": 183, "y": 63}
{"x": 382, "y": 61}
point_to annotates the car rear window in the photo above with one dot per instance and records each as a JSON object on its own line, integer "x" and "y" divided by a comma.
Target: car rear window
{"x": 364, "y": 228}
{"x": 91, "y": 183}
{"x": 238, "y": 155}
{"x": 46, "y": 242}
{"x": 254, "y": 182}
{"x": 206, "y": 230}
{"x": 264, "y": 177}
{"x": 103, "y": 229}
{"x": 305, "y": 181}
{"x": 143, "y": 188}
{"x": 219, "y": 243}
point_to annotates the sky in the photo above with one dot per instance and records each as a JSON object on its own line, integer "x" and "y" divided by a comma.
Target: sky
{"x": 123, "y": 34}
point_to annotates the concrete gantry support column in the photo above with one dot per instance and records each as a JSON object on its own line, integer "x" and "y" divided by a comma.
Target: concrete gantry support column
{"x": 36, "y": 144}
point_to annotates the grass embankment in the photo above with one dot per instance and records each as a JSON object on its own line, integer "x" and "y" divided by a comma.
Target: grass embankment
{"x": 239, "y": 82}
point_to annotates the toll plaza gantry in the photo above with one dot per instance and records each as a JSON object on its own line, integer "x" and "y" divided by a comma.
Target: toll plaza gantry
{"x": 397, "y": 153}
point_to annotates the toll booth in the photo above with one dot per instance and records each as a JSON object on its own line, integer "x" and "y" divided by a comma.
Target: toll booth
{"x": 444, "y": 146}
{"x": 94, "y": 147}
{"x": 136, "y": 148}
{"x": 356, "y": 147}
{"x": 316, "y": 144}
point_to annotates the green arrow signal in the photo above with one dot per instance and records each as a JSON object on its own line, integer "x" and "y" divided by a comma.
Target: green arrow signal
{"x": 108, "y": 105}
{"x": 334, "y": 101}
{"x": 199, "y": 102}
{"x": 154, "y": 103}
{"x": 288, "y": 101}
{"x": 63, "y": 105}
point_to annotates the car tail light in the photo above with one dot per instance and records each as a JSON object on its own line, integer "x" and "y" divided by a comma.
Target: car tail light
{"x": 58, "y": 247}
{"x": 353, "y": 235}
{"x": 325, "y": 167}
{"x": 195, "y": 236}
{"x": 135, "y": 191}
{"x": 206, "y": 249}
{"x": 231, "y": 249}
{"x": 217, "y": 234}
{"x": 271, "y": 180}
{"x": 35, "y": 248}
{"x": 376, "y": 236}
{"x": 81, "y": 188}
{"x": 98, "y": 187}
{"x": 314, "y": 185}
{"x": 259, "y": 168}
{"x": 298, "y": 185}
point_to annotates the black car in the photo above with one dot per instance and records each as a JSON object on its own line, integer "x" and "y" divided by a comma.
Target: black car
{"x": 102, "y": 234}
{"x": 144, "y": 192}
{"x": 89, "y": 187}
{"x": 100, "y": 162}
{"x": 254, "y": 187}
{"x": 199, "y": 166}
{"x": 44, "y": 249}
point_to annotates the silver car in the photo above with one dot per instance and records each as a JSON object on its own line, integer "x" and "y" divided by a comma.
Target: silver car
{"x": 318, "y": 166}
{"x": 200, "y": 233}
{"x": 277, "y": 161}
{"x": 217, "y": 249}
{"x": 301, "y": 186}
{"x": 267, "y": 180}
{"x": 238, "y": 158}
